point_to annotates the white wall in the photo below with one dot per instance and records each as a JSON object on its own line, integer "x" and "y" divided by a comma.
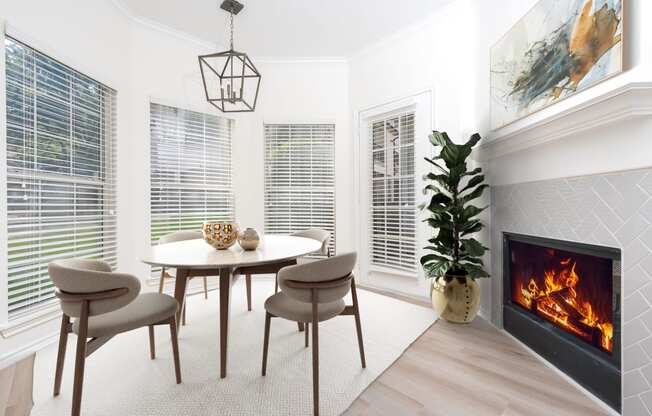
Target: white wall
{"x": 449, "y": 52}
{"x": 144, "y": 62}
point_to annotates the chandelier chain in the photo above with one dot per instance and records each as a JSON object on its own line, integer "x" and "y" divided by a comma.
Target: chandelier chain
{"x": 231, "y": 17}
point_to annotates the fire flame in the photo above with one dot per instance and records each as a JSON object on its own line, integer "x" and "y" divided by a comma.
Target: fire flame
{"x": 558, "y": 299}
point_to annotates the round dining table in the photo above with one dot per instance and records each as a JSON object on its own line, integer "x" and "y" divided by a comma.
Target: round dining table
{"x": 193, "y": 258}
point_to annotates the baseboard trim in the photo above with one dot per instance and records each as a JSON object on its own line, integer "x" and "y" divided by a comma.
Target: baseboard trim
{"x": 414, "y": 299}
{"x": 33, "y": 347}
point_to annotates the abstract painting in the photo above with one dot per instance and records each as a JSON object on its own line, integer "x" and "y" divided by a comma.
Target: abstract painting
{"x": 558, "y": 48}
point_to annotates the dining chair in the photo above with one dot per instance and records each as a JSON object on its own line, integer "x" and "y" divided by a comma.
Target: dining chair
{"x": 318, "y": 234}
{"x": 311, "y": 293}
{"x": 314, "y": 233}
{"x": 102, "y": 304}
{"x": 166, "y": 273}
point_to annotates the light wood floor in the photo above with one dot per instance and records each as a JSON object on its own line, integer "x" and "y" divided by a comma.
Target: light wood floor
{"x": 470, "y": 370}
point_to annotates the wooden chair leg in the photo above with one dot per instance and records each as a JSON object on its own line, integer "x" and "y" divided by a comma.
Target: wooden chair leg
{"x": 183, "y": 314}
{"x": 358, "y": 325}
{"x": 205, "y": 288}
{"x": 248, "y": 284}
{"x": 175, "y": 348}
{"x": 161, "y": 282}
{"x": 80, "y": 360}
{"x": 268, "y": 321}
{"x": 152, "y": 347}
{"x": 307, "y": 327}
{"x": 276, "y": 283}
{"x": 315, "y": 356}
{"x": 61, "y": 355}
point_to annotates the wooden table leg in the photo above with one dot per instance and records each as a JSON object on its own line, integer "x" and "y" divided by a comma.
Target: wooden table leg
{"x": 226, "y": 275}
{"x": 180, "y": 292}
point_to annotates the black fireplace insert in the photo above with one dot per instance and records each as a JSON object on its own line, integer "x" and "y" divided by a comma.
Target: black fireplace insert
{"x": 562, "y": 299}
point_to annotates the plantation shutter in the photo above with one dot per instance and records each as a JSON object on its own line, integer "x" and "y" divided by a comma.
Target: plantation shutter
{"x": 300, "y": 178}
{"x": 190, "y": 170}
{"x": 393, "y": 203}
{"x": 60, "y": 172}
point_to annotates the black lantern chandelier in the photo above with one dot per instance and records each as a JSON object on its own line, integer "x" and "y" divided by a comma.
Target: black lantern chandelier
{"x": 231, "y": 81}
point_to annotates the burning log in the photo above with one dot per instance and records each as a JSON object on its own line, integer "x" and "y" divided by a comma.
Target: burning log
{"x": 556, "y": 307}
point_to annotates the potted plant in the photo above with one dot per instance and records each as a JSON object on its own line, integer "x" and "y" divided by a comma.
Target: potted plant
{"x": 455, "y": 259}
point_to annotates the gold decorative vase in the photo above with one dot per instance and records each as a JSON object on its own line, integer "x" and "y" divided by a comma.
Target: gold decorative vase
{"x": 220, "y": 235}
{"x": 248, "y": 239}
{"x": 456, "y": 299}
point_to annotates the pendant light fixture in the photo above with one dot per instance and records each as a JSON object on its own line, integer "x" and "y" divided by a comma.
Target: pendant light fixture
{"x": 231, "y": 81}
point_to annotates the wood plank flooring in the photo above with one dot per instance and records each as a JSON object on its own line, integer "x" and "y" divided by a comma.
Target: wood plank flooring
{"x": 470, "y": 370}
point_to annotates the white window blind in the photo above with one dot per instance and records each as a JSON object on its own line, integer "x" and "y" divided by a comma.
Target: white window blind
{"x": 60, "y": 172}
{"x": 300, "y": 178}
{"x": 190, "y": 170}
{"x": 393, "y": 204}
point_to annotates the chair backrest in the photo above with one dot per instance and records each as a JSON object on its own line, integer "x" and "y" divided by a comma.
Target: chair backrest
{"x": 180, "y": 236}
{"x": 320, "y": 271}
{"x": 77, "y": 276}
{"x": 318, "y": 234}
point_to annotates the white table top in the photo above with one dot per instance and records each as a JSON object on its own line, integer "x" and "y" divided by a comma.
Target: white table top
{"x": 197, "y": 254}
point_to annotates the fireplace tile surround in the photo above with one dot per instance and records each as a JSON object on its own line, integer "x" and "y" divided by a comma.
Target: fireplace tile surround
{"x": 613, "y": 210}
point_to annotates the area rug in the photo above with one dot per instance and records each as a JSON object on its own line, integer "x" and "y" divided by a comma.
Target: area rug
{"x": 120, "y": 379}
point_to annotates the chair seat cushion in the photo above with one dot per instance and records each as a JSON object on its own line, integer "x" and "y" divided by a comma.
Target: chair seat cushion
{"x": 283, "y": 306}
{"x": 146, "y": 309}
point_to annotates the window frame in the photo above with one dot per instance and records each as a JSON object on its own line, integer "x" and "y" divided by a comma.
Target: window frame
{"x": 386, "y": 152}
{"x": 154, "y": 276}
{"x": 298, "y": 123}
{"x": 421, "y": 102}
{"x": 107, "y": 183}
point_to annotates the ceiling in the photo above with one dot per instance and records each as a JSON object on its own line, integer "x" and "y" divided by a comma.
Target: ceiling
{"x": 289, "y": 28}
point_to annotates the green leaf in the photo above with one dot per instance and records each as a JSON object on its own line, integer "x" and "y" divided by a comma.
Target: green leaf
{"x": 440, "y": 179}
{"x": 473, "y": 172}
{"x": 473, "y": 247}
{"x": 477, "y": 193}
{"x": 438, "y": 203}
{"x": 440, "y": 139}
{"x": 471, "y": 227}
{"x": 471, "y": 211}
{"x": 429, "y": 258}
{"x": 475, "y": 271}
{"x": 473, "y": 140}
{"x": 437, "y": 269}
{"x": 474, "y": 181}
{"x": 437, "y": 165}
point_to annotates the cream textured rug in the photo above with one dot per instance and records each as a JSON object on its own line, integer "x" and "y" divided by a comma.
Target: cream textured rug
{"x": 121, "y": 380}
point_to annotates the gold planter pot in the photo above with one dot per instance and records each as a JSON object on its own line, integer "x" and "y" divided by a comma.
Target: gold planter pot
{"x": 457, "y": 299}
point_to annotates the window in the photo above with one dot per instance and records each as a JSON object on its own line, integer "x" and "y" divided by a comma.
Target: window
{"x": 300, "y": 178}
{"x": 190, "y": 170}
{"x": 393, "y": 204}
{"x": 60, "y": 172}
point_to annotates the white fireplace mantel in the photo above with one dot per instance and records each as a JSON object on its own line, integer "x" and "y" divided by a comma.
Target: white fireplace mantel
{"x": 623, "y": 103}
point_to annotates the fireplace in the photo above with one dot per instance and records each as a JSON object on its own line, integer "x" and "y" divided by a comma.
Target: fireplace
{"x": 562, "y": 299}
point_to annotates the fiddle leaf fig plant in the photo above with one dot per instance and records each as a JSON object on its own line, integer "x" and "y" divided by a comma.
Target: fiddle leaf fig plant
{"x": 454, "y": 252}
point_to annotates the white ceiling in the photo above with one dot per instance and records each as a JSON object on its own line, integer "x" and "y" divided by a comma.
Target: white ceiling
{"x": 289, "y": 28}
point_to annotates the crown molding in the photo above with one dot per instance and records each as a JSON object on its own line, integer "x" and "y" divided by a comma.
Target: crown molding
{"x": 623, "y": 103}
{"x": 151, "y": 24}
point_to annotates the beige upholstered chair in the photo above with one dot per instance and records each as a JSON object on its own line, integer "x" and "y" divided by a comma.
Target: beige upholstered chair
{"x": 165, "y": 274}
{"x": 320, "y": 235}
{"x": 312, "y": 293}
{"x": 104, "y": 304}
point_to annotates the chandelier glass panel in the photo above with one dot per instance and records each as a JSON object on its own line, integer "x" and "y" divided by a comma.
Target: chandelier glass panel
{"x": 231, "y": 81}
